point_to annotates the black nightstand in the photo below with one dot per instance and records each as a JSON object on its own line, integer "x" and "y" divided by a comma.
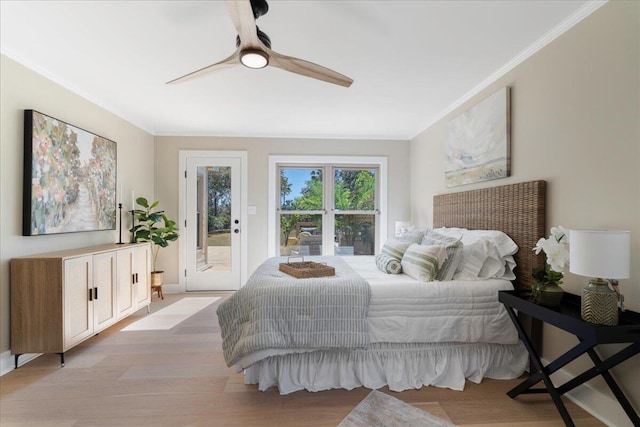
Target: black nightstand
{"x": 567, "y": 317}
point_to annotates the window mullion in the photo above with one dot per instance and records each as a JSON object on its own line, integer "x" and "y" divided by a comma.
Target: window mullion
{"x": 328, "y": 226}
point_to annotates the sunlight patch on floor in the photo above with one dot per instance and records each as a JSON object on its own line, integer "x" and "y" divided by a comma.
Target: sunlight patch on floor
{"x": 172, "y": 315}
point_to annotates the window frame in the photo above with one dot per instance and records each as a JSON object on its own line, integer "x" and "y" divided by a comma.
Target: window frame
{"x": 329, "y": 164}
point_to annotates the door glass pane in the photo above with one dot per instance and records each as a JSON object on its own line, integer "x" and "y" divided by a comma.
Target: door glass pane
{"x": 355, "y": 189}
{"x": 214, "y": 218}
{"x": 300, "y": 234}
{"x": 355, "y": 234}
{"x": 301, "y": 189}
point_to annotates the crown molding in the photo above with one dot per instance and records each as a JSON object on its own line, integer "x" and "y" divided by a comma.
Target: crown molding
{"x": 568, "y": 23}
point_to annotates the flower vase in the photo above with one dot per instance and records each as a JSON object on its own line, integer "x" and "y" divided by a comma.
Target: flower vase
{"x": 550, "y": 295}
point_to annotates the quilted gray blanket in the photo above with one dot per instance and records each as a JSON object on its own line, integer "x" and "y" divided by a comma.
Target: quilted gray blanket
{"x": 275, "y": 310}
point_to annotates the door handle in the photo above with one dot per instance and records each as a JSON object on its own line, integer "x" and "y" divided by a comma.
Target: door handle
{"x": 95, "y": 293}
{"x": 236, "y": 230}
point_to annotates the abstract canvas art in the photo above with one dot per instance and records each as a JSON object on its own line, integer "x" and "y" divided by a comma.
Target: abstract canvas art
{"x": 478, "y": 142}
{"x": 69, "y": 178}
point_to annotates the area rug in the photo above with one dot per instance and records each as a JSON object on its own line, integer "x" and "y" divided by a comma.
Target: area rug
{"x": 170, "y": 316}
{"x": 380, "y": 409}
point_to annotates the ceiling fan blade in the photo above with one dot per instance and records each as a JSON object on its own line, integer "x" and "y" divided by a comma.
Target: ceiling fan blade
{"x": 306, "y": 68}
{"x": 229, "y": 62}
{"x": 242, "y": 16}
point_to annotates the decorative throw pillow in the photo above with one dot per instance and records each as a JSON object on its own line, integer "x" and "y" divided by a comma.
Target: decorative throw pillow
{"x": 388, "y": 264}
{"x": 453, "y": 247}
{"x": 394, "y": 248}
{"x": 422, "y": 262}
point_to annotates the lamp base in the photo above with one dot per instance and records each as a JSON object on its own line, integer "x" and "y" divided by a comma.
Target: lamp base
{"x": 599, "y": 303}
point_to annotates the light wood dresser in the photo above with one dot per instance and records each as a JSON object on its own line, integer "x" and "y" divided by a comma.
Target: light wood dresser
{"x": 60, "y": 299}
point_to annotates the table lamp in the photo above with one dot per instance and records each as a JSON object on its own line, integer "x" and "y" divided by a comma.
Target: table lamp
{"x": 404, "y": 227}
{"x": 601, "y": 254}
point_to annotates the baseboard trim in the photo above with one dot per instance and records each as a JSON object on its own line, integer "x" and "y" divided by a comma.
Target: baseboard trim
{"x": 601, "y": 405}
{"x": 7, "y": 361}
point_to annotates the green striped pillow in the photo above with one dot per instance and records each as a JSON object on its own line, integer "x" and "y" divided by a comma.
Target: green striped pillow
{"x": 388, "y": 264}
{"x": 422, "y": 262}
{"x": 454, "y": 253}
{"x": 394, "y": 248}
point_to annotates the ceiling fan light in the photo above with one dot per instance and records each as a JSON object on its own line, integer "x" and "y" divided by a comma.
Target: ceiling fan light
{"x": 254, "y": 58}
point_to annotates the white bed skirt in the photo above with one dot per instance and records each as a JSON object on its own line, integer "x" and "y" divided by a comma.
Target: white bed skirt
{"x": 400, "y": 366}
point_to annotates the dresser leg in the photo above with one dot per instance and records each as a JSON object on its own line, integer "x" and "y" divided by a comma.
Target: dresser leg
{"x": 61, "y": 360}
{"x": 16, "y": 359}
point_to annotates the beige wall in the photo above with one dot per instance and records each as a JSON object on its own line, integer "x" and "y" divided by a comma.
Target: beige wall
{"x": 21, "y": 89}
{"x": 258, "y": 152}
{"x": 575, "y": 124}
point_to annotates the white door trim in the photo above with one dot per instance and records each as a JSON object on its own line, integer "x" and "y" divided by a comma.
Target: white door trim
{"x": 182, "y": 208}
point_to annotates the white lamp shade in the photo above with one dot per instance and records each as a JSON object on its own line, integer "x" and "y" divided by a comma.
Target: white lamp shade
{"x": 600, "y": 253}
{"x": 403, "y": 227}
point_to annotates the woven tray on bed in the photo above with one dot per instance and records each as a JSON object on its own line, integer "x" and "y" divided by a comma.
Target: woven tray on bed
{"x": 306, "y": 269}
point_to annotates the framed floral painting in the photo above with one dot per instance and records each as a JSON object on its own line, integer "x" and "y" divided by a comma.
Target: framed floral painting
{"x": 69, "y": 178}
{"x": 478, "y": 142}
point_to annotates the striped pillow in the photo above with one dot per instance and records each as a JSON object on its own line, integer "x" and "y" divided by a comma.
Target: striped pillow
{"x": 454, "y": 253}
{"x": 394, "y": 248}
{"x": 422, "y": 262}
{"x": 388, "y": 264}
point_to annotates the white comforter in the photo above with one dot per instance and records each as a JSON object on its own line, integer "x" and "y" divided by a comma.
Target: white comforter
{"x": 403, "y": 309}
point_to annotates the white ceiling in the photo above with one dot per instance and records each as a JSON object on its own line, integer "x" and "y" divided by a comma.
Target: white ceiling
{"x": 411, "y": 61}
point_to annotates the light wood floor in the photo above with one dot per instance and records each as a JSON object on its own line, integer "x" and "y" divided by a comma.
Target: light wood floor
{"x": 178, "y": 377}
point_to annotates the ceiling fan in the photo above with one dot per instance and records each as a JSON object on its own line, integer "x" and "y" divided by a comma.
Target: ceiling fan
{"x": 253, "y": 48}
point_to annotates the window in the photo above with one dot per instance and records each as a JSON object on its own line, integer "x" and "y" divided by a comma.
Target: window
{"x": 301, "y": 210}
{"x": 355, "y": 210}
{"x": 327, "y": 208}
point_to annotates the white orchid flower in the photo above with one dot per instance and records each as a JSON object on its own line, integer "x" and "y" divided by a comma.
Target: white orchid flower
{"x": 539, "y": 246}
{"x": 558, "y": 233}
{"x": 555, "y": 248}
{"x": 557, "y": 257}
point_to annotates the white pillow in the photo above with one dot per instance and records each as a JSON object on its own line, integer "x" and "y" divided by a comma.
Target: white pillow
{"x": 496, "y": 246}
{"x": 422, "y": 262}
{"x": 505, "y": 245}
{"x": 480, "y": 260}
{"x": 509, "y": 265}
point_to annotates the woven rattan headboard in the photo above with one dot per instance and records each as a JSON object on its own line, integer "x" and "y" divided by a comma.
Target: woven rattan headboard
{"x": 516, "y": 209}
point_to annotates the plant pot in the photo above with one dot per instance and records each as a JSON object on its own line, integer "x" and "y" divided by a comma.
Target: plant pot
{"x": 550, "y": 296}
{"x": 157, "y": 278}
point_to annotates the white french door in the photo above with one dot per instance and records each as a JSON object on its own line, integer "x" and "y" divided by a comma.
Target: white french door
{"x": 214, "y": 221}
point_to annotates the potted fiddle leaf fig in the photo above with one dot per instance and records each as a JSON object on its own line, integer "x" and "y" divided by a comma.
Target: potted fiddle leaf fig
{"x": 153, "y": 226}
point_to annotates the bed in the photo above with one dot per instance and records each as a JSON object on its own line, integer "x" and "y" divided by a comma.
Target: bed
{"x": 374, "y": 329}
